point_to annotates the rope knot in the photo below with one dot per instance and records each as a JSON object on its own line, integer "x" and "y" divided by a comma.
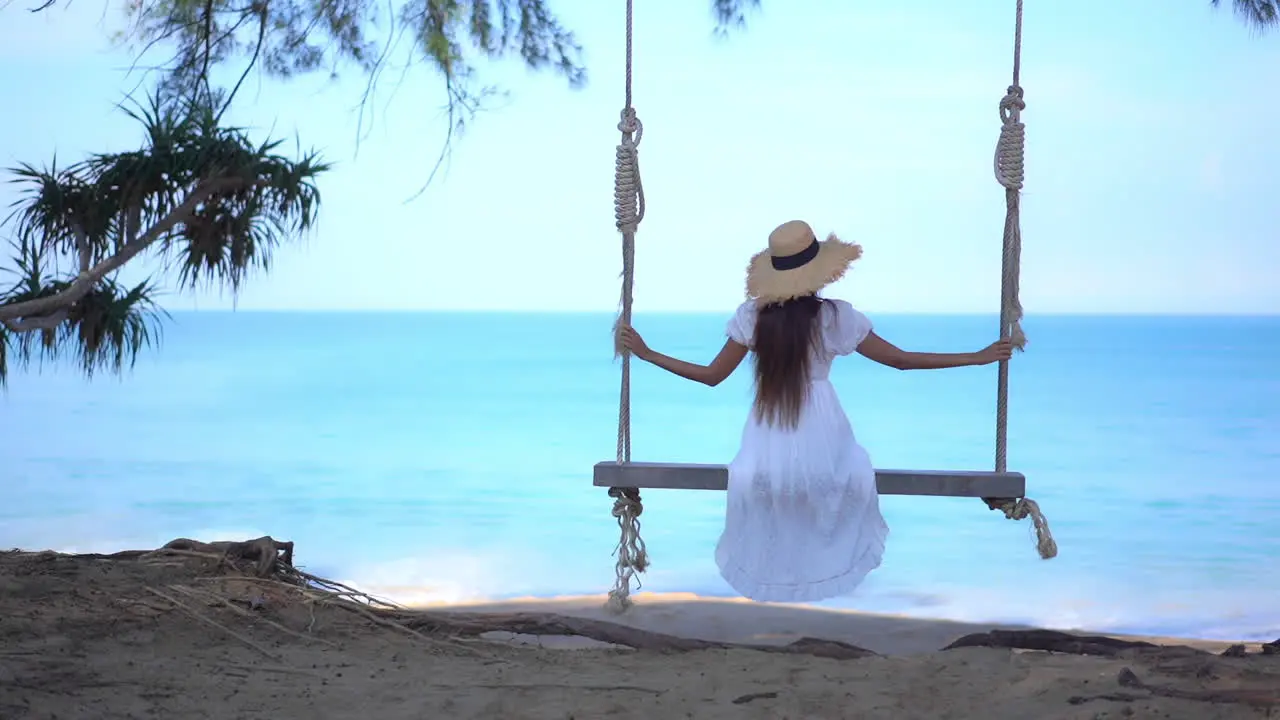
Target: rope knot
{"x": 1010, "y": 149}
{"x": 1015, "y": 510}
{"x": 626, "y": 500}
{"x": 1012, "y": 103}
{"x": 628, "y": 192}
{"x": 629, "y": 124}
{"x": 1023, "y": 508}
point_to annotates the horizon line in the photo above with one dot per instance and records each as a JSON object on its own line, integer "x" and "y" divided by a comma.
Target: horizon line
{"x": 504, "y": 311}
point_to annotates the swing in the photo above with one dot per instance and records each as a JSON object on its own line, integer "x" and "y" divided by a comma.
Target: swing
{"x": 1001, "y": 489}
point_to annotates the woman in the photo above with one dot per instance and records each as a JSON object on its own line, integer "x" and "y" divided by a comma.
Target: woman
{"x": 803, "y": 521}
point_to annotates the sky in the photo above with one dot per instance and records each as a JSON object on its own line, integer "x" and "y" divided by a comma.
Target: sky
{"x": 1152, "y": 159}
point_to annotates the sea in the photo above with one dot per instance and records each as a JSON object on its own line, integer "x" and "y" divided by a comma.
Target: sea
{"x": 446, "y": 457}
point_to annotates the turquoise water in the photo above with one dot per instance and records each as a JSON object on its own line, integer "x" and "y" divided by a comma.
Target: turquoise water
{"x": 448, "y": 456}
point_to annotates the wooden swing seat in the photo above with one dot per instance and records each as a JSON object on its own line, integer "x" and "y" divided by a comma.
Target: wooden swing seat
{"x": 938, "y": 483}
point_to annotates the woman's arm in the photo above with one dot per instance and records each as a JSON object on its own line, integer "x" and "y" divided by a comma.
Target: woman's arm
{"x": 728, "y": 360}
{"x": 876, "y": 348}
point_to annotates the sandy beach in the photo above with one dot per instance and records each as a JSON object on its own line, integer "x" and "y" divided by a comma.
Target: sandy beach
{"x": 193, "y": 632}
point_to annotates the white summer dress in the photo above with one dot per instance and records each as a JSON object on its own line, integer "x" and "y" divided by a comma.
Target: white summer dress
{"x": 803, "y": 520}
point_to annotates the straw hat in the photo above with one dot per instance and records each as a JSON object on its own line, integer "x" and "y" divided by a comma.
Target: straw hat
{"x": 796, "y": 264}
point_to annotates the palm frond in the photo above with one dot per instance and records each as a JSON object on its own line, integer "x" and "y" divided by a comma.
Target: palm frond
{"x": 112, "y": 325}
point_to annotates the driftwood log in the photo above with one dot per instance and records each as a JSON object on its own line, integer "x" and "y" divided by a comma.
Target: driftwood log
{"x": 474, "y": 624}
{"x": 1098, "y": 645}
{"x": 1060, "y": 642}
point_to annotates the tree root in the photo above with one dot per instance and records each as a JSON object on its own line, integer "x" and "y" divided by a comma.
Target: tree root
{"x": 212, "y": 623}
{"x": 269, "y": 561}
{"x": 266, "y": 553}
{"x": 207, "y": 596}
{"x": 475, "y": 624}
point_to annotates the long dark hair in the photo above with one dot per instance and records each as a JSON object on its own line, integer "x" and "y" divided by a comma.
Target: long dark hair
{"x": 786, "y": 334}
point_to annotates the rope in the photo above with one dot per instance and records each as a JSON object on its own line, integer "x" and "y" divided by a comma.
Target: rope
{"x": 631, "y": 554}
{"x": 1009, "y": 169}
{"x": 628, "y": 211}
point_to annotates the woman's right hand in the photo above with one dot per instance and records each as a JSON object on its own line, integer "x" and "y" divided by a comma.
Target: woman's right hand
{"x": 995, "y": 352}
{"x": 629, "y": 339}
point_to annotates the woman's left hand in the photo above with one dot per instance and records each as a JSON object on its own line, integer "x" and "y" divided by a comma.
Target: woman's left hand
{"x": 631, "y": 340}
{"x": 997, "y": 351}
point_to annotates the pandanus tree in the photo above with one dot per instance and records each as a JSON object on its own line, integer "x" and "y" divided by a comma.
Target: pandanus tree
{"x": 205, "y": 200}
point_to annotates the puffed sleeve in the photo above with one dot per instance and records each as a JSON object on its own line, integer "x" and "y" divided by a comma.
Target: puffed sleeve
{"x": 845, "y": 327}
{"x": 742, "y": 326}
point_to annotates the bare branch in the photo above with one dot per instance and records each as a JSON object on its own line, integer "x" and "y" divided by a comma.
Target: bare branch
{"x": 31, "y": 324}
{"x": 253, "y": 61}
